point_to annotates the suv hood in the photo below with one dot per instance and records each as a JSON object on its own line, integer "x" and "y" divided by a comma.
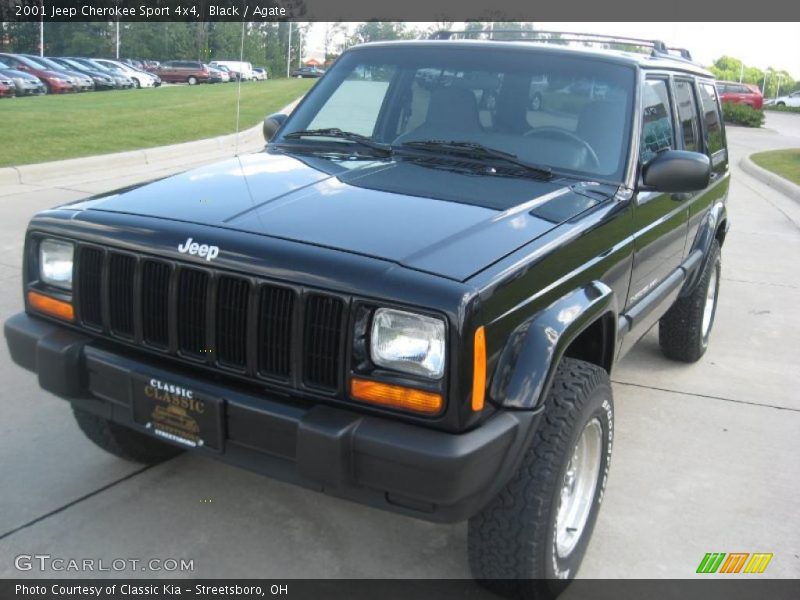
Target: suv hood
{"x": 441, "y": 221}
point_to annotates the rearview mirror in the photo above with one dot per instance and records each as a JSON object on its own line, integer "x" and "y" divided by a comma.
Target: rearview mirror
{"x": 676, "y": 171}
{"x": 271, "y": 125}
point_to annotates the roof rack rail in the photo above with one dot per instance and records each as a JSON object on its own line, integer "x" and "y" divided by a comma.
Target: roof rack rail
{"x": 658, "y": 48}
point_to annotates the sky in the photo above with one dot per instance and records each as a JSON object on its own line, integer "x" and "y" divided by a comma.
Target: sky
{"x": 759, "y": 45}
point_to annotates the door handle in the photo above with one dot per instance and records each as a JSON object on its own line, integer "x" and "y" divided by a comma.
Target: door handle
{"x": 681, "y": 197}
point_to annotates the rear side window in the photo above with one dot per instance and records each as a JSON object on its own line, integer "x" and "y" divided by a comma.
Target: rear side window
{"x": 711, "y": 118}
{"x": 687, "y": 115}
{"x": 657, "y": 130}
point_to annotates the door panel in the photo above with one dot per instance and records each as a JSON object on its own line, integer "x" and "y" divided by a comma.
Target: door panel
{"x": 713, "y": 136}
{"x": 660, "y": 220}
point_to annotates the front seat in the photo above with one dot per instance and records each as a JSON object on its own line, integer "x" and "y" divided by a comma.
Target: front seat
{"x": 602, "y": 124}
{"x": 452, "y": 115}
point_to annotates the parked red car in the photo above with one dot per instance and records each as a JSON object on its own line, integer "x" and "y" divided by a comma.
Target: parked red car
{"x": 56, "y": 82}
{"x": 740, "y": 93}
{"x": 7, "y": 88}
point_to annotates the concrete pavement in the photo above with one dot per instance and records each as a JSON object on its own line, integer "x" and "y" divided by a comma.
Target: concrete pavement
{"x": 705, "y": 455}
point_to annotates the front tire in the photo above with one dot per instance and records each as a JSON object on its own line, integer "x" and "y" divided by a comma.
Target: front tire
{"x": 123, "y": 442}
{"x": 136, "y": 83}
{"x": 529, "y": 541}
{"x": 684, "y": 331}
{"x": 192, "y": 81}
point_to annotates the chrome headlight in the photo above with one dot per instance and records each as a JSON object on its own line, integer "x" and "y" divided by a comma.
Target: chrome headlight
{"x": 408, "y": 342}
{"x": 55, "y": 263}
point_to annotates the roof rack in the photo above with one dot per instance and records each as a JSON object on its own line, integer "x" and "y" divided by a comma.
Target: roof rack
{"x": 658, "y": 48}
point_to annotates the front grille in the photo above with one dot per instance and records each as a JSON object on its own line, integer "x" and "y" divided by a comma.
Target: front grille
{"x": 192, "y": 315}
{"x": 233, "y": 300}
{"x": 155, "y": 303}
{"x": 230, "y": 323}
{"x": 323, "y": 335}
{"x": 89, "y": 286}
{"x": 120, "y": 287}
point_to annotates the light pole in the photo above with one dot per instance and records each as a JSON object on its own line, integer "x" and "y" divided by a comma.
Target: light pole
{"x": 41, "y": 31}
{"x": 289, "y": 52}
{"x": 117, "y": 38}
{"x": 778, "y": 90}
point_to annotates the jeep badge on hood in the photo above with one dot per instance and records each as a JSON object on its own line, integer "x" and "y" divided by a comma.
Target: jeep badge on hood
{"x": 190, "y": 247}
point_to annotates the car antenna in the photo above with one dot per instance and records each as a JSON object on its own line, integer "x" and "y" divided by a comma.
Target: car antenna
{"x": 239, "y": 92}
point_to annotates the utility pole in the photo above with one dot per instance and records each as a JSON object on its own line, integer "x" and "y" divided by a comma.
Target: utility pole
{"x": 289, "y": 52}
{"x": 300, "y": 48}
{"x": 41, "y": 30}
{"x": 778, "y": 91}
{"x": 117, "y": 38}
{"x": 764, "y": 87}
{"x": 741, "y": 72}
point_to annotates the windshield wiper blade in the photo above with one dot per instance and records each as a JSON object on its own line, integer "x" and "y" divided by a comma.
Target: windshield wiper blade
{"x": 335, "y": 132}
{"x": 477, "y": 150}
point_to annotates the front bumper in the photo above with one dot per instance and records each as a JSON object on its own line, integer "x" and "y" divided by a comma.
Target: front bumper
{"x": 428, "y": 474}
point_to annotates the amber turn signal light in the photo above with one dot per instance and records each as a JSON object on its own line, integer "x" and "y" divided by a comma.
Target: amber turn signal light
{"x": 51, "y": 306}
{"x": 396, "y": 396}
{"x": 479, "y": 370}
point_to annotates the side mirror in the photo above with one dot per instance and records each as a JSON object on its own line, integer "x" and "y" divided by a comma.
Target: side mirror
{"x": 676, "y": 171}
{"x": 271, "y": 125}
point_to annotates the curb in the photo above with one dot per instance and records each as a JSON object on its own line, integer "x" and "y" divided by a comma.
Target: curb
{"x": 175, "y": 155}
{"x": 784, "y": 186}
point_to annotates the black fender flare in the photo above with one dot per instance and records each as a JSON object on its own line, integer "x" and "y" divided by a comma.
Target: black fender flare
{"x": 528, "y": 361}
{"x": 706, "y": 234}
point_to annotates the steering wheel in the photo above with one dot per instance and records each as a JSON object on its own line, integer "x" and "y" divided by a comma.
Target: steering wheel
{"x": 568, "y": 135}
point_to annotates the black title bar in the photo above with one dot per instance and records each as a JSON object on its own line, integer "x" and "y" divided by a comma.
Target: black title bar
{"x": 394, "y": 10}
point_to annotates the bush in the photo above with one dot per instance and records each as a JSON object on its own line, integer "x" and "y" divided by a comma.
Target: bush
{"x": 793, "y": 109}
{"x": 742, "y": 114}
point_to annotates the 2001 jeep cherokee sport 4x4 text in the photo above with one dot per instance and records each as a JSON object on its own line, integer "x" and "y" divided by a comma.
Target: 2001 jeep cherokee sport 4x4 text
{"x": 413, "y": 298}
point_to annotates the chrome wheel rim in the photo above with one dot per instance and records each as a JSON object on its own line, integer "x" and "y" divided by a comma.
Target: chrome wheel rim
{"x": 710, "y": 304}
{"x": 578, "y": 488}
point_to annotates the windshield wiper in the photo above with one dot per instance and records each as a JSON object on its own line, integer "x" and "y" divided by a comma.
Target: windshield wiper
{"x": 335, "y": 132}
{"x": 477, "y": 150}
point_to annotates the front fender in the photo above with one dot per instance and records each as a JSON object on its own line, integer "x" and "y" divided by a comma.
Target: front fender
{"x": 702, "y": 242}
{"x": 528, "y": 361}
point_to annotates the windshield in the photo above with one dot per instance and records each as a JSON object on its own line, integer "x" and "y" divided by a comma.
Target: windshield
{"x": 570, "y": 113}
{"x": 46, "y": 62}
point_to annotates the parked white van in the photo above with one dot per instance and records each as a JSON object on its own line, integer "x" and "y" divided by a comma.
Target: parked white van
{"x": 239, "y": 69}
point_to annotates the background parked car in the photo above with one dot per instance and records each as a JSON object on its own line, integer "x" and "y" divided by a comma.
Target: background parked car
{"x": 151, "y": 66}
{"x": 56, "y": 82}
{"x": 25, "y": 83}
{"x": 792, "y": 99}
{"x": 140, "y": 78}
{"x": 7, "y": 87}
{"x": 239, "y": 70}
{"x": 307, "y": 72}
{"x": 121, "y": 81}
{"x": 102, "y": 81}
{"x": 216, "y": 75}
{"x": 260, "y": 74}
{"x": 81, "y": 81}
{"x": 740, "y": 93}
{"x": 183, "y": 71}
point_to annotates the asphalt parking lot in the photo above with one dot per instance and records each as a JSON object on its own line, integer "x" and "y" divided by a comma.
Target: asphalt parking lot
{"x": 705, "y": 457}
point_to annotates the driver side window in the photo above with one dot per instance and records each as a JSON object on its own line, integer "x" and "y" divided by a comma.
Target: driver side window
{"x": 657, "y": 128}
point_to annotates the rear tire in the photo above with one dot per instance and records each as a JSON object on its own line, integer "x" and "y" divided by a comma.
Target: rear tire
{"x": 529, "y": 541}
{"x": 684, "y": 331}
{"x": 123, "y": 442}
{"x": 136, "y": 83}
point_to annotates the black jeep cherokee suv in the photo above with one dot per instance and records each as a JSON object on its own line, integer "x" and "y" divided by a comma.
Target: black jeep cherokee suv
{"x": 412, "y": 298}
